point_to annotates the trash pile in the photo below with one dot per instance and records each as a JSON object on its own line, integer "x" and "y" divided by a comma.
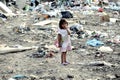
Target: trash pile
{"x": 30, "y": 33}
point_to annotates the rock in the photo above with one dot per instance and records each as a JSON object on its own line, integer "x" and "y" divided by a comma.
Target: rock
{"x": 83, "y": 22}
{"x": 61, "y": 78}
{"x": 41, "y": 53}
{"x": 4, "y": 78}
{"x": 53, "y": 78}
{"x": 48, "y": 78}
{"x": 98, "y": 55}
{"x": 11, "y": 71}
{"x": 33, "y": 77}
{"x": 70, "y": 76}
{"x": 49, "y": 55}
{"x": 111, "y": 76}
{"x": 117, "y": 75}
{"x": 38, "y": 72}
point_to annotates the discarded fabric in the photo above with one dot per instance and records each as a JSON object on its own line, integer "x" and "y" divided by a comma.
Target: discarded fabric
{"x": 94, "y": 43}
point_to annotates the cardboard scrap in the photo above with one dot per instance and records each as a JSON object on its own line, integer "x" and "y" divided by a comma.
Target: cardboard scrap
{"x": 45, "y": 22}
{"x": 14, "y": 49}
{"x": 42, "y": 23}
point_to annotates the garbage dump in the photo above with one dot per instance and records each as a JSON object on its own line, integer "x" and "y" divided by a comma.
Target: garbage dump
{"x": 30, "y": 48}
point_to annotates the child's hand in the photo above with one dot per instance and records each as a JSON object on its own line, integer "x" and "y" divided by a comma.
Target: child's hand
{"x": 66, "y": 27}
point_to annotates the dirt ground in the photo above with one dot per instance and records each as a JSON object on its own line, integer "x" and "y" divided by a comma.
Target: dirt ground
{"x": 80, "y": 68}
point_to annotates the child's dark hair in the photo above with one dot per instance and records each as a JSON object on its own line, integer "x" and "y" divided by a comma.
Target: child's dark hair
{"x": 61, "y": 22}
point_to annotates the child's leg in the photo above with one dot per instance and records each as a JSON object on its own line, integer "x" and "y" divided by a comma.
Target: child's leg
{"x": 63, "y": 57}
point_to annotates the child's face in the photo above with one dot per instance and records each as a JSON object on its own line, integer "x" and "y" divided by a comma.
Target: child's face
{"x": 64, "y": 25}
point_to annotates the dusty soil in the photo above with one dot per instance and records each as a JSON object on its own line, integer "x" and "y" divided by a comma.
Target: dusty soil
{"x": 23, "y": 63}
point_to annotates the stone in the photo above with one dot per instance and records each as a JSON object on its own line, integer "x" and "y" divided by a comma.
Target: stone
{"x": 70, "y": 76}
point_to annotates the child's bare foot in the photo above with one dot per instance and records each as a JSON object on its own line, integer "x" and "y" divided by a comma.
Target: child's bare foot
{"x": 65, "y": 63}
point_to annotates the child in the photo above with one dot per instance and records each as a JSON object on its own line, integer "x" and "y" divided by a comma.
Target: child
{"x": 64, "y": 42}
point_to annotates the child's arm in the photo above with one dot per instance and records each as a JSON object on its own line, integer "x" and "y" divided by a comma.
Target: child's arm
{"x": 59, "y": 40}
{"x": 68, "y": 31}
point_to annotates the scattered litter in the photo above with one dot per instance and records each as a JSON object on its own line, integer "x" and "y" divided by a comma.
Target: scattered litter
{"x": 113, "y": 20}
{"x": 100, "y": 10}
{"x": 105, "y": 17}
{"x": 76, "y": 27}
{"x": 11, "y": 79}
{"x": 21, "y": 29}
{"x": 8, "y": 49}
{"x": 18, "y": 77}
{"x": 37, "y": 25}
{"x": 45, "y": 22}
{"x": 4, "y": 8}
{"x": 4, "y": 17}
{"x": 94, "y": 43}
{"x": 100, "y": 63}
{"x": 38, "y": 55}
{"x": 66, "y": 14}
{"x": 49, "y": 54}
{"x": 105, "y": 49}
